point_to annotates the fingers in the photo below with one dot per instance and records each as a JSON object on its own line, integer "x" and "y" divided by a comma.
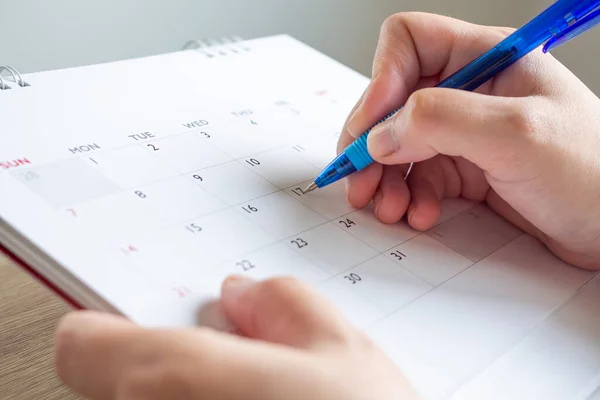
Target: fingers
{"x": 362, "y": 185}
{"x": 103, "y": 357}
{"x": 491, "y": 132}
{"x": 283, "y": 311}
{"x": 87, "y": 363}
{"x": 427, "y": 188}
{"x": 392, "y": 198}
{"x": 415, "y": 50}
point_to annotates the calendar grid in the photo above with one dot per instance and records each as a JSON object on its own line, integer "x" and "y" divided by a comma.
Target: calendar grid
{"x": 292, "y": 143}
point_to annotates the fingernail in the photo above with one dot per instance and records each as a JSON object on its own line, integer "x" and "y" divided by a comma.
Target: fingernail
{"x": 377, "y": 202}
{"x": 411, "y": 214}
{"x": 235, "y": 286}
{"x": 382, "y": 142}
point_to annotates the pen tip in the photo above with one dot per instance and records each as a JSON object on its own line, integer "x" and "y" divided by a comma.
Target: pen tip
{"x": 310, "y": 188}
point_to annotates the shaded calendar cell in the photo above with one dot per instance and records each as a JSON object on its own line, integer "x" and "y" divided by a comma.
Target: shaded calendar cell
{"x": 364, "y": 225}
{"x": 332, "y": 249}
{"x": 280, "y": 215}
{"x": 188, "y": 152}
{"x": 224, "y": 235}
{"x": 177, "y": 199}
{"x": 385, "y": 283}
{"x": 496, "y": 223}
{"x": 472, "y": 235}
{"x": 282, "y": 167}
{"x": 359, "y": 311}
{"x": 429, "y": 259}
{"x": 486, "y": 309}
{"x": 451, "y": 207}
{"x": 131, "y": 166}
{"x": 66, "y": 182}
{"x": 277, "y": 261}
{"x": 329, "y": 201}
{"x": 232, "y": 182}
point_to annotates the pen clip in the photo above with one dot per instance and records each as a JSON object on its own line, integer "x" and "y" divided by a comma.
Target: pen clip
{"x": 582, "y": 25}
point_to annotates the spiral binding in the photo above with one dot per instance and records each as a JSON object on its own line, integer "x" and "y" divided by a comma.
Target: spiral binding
{"x": 217, "y": 47}
{"x": 16, "y": 77}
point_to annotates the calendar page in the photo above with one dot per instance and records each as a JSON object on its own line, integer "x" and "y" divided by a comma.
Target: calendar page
{"x": 146, "y": 182}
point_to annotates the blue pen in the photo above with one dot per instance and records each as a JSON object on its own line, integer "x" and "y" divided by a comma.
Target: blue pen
{"x": 561, "y": 22}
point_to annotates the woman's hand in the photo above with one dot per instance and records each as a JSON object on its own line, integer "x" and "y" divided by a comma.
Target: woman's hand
{"x": 294, "y": 347}
{"x": 527, "y": 142}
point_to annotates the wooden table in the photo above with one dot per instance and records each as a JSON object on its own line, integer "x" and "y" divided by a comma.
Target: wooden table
{"x": 28, "y": 317}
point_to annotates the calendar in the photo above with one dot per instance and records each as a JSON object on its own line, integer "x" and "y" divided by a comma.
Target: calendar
{"x": 138, "y": 186}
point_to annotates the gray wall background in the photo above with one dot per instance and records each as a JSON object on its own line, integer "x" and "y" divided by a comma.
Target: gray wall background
{"x": 38, "y": 35}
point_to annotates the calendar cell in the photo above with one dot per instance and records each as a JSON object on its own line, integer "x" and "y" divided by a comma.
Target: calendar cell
{"x": 429, "y": 259}
{"x": 451, "y": 207}
{"x": 232, "y": 183}
{"x": 329, "y": 201}
{"x": 131, "y": 166}
{"x": 187, "y": 152}
{"x": 468, "y": 235}
{"x": 277, "y": 261}
{"x": 319, "y": 152}
{"x": 223, "y": 235}
{"x": 242, "y": 139}
{"x": 359, "y": 311}
{"x": 165, "y": 258}
{"x": 332, "y": 249}
{"x": 385, "y": 283}
{"x": 280, "y": 215}
{"x": 364, "y": 225}
{"x": 420, "y": 373}
{"x": 66, "y": 182}
{"x": 100, "y": 216}
{"x": 283, "y": 167}
{"x": 496, "y": 223}
{"x": 178, "y": 199}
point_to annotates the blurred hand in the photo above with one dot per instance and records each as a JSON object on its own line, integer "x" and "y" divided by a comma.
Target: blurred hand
{"x": 527, "y": 142}
{"x": 293, "y": 346}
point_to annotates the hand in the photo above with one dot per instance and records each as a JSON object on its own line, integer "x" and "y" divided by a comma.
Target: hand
{"x": 294, "y": 346}
{"x": 527, "y": 142}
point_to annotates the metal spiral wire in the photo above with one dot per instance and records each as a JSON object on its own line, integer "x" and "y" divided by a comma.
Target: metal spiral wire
{"x": 217, "y": 47}
{"x": 16, "y": 77}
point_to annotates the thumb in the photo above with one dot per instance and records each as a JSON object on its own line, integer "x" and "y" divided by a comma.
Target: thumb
{"x": 283, "y": 311}
{"x": 489, "y": 131}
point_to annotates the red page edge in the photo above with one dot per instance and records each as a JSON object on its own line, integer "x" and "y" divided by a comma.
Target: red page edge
{"x": 40, "y": 278}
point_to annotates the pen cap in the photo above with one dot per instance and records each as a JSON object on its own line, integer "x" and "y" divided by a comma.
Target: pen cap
{"x": 582, "y": 25}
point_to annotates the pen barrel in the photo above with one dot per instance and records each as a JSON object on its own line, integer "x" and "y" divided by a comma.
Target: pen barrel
{"x": 358, "y": 153}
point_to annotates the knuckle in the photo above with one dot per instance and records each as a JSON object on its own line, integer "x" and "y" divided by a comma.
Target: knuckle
{"x": 398, "y": 23}
{"x": 521, "y": 119}
{"x": 423, "y": 108}
{"x": 521, "y": 130}
{"x": 391, "y": 23}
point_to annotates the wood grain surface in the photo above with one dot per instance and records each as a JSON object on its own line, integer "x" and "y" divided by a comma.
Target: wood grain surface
{"x": 28, "y": 316}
